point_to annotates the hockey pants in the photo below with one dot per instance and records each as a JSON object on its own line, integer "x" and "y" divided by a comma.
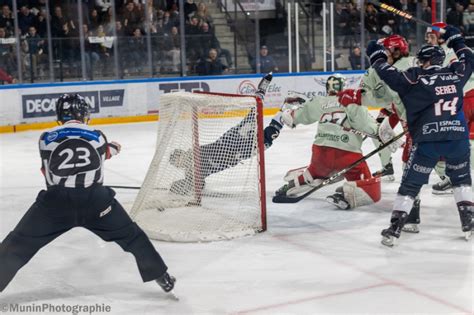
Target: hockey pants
{"x": 326, "y": 161}
{"x": 423, "y": 158}
{"x": 56, "y": 211}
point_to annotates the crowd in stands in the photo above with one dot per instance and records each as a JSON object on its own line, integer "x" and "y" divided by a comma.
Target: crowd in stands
{"x": 379, "y": 23}
{"x": 103, "y": 38}
{"x": 145, "y": 36}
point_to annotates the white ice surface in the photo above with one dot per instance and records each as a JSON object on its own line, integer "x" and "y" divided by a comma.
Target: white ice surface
{"x": 312, "y": 260}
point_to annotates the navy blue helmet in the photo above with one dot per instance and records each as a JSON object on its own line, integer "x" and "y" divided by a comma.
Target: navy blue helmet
{"x": 434, "y": 54}
{"x": 72, "y": 107}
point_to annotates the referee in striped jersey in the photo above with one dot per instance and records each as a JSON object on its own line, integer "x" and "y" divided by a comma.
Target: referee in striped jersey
{"x": 72, "y": 158}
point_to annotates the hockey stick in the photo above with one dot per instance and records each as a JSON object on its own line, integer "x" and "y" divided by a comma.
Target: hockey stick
{"x": 405, "y": 15}
{"x": 329, "y": 180}
{"x": 358, "y": 132}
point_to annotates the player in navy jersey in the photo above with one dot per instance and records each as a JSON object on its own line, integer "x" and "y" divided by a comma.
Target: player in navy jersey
{"x": 433, "y": 97}
{"x": 72, "y": 156}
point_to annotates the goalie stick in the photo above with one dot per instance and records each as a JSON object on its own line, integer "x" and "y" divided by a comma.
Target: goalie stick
{"x": 335, "y": 176}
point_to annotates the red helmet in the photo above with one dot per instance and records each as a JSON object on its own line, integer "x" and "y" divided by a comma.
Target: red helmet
{"x": 438, "y": 25}
{"x": 396, "y": 41}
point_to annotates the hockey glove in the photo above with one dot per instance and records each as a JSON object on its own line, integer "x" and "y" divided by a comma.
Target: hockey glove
{"x": 375, "y": 51}
{"x": 272, "y": 131}
{"x": 452, "y": 36}
{"x": 287, "y": 117}
{"x": 386, "y": 134}
{"x": 294, "y": 100}
{"x": 350, "y": 96}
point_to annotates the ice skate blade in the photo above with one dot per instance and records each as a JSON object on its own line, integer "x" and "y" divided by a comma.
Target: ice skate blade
{"x": 411, "y": 228}
{"x": 172, "y": 295}
{"x": 468, "y": 236}
{"x": 388, "y": 241}
{"x": 442, "y": 192}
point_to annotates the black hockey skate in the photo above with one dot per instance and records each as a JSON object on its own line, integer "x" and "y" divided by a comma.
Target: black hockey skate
{"x": 386, "y": 171}
{"x": 411, "y": 225}
{"x": 166, "y": 282}
{"x": 465, "y": 214}
{"x": 395, "y": 229}
{"x": 339, "y": 201}
{"x": 443, "y": 187}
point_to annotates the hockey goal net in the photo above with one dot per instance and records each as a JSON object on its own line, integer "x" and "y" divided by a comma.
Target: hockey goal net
{"x": 206, "y": 180}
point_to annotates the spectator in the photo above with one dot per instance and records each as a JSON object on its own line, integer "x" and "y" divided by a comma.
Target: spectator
{"x": 406, "y": 26}
{"x": 136, "y": 51}
{"x": 468, "y": 19}
{"x": 108, "y": 22}
{"x": 371, "y": 21}
{"x": 172, "y": 5}
{"x": 5, "y": 77}
{"x": 161, "y": 5}
{"x": 455, "y": 17}
{"x": 169, "y": 22}
{"x": 58, "y": 21}
{"x": 172, "y": 50}
{"x": 41, "y": 24}
{"x": 209, "y": 40}
{"x": 267, "y": 63}
{"x": 189, "y": 8}
{"x": 193, "y": 46}
{"x": 132, "y": 18}
{"x": 6, "y": 18}
{"x": 67, "y": 45}
{"x": 425, "y": 11}
{"x": 25, "y": 19}
{"x": 354, "y": 22}
{"x": 211, "y": 65}
{"x": 7, "y": 56}
{"x": 104, "y": 48}
{"x": 103, "y": 6}
{"x": 35, "y": 48}
{"x": 94, "y": 20}
{"x": 342, "y": 22}
{"x": 355, "y": 59}
{"x": 387, "y": 23}
{"x": 203, "y": 15}
{"x": 92, "y": 56}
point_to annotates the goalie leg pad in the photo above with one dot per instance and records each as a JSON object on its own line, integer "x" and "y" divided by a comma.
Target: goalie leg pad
{"x": 362, "y": 192}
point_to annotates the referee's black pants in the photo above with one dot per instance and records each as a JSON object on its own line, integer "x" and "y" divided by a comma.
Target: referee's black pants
{"x": 58, "y": 210}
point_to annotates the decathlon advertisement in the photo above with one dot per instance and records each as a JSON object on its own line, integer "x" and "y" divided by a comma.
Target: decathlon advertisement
{"x": 23, "y": 104}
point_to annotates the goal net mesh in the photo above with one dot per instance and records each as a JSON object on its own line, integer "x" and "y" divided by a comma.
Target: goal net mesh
{"x": 205, "y": 181}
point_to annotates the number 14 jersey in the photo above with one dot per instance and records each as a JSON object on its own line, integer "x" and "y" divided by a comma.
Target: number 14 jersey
{"x": 72, "y": 155}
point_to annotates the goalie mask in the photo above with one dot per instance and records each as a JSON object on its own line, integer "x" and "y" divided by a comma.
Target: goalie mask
{"x": 335, "y": 84}
{"x": 72, "y": 107}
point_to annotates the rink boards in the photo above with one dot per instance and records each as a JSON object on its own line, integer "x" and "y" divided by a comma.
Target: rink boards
{"x": 32, "y": 106}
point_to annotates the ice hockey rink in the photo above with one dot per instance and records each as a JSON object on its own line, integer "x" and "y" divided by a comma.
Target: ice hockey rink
{"x": 313, "y": 259}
